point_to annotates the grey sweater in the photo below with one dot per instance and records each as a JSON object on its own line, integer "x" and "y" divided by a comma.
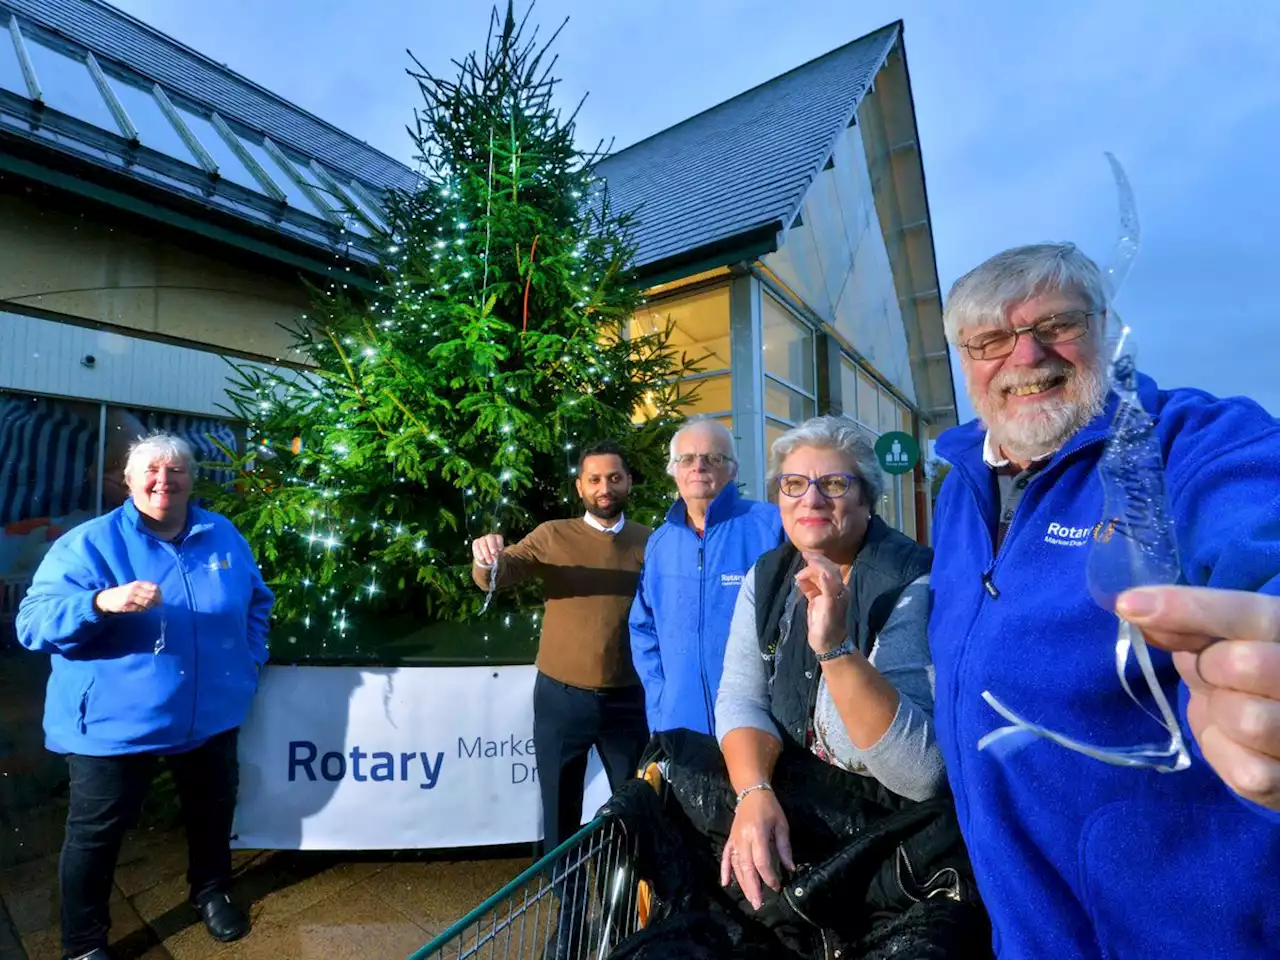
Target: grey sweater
{"x": 906, "y": 759}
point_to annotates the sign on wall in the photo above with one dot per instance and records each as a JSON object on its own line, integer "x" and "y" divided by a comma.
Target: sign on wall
{"x": 897, "y": 452}
{"x": 344, "y": 758}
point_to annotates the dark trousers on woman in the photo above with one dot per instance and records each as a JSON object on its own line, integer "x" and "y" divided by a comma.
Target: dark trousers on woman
{"x": 567, "y": 723}
{"x": 106, "y": 799}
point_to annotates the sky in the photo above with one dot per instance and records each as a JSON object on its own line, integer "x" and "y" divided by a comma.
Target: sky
{"x": 1015, "y": 102}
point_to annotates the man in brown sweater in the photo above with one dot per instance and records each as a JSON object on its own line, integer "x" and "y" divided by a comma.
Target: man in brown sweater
{"x": 587, "y": 692}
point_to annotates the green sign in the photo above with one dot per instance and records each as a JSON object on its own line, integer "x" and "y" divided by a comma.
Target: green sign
{"x": 897, "y": 452}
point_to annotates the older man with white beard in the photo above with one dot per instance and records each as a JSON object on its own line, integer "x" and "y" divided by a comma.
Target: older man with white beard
{"x": 1074, "y": 857}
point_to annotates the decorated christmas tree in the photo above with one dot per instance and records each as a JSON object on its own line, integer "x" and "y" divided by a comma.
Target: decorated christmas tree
{"x": 453, "y": 400}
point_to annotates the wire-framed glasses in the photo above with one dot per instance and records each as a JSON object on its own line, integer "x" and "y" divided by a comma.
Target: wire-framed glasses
{"x": 1048, "y": 331}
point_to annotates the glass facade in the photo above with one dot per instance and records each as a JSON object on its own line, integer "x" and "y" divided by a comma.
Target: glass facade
{"x": 790, "y": 376}
{"x": 879, "y": 411}
{"x": 711, "y": 395}
{"x": 700, "y": 330}
{"x": 700, "y": 322}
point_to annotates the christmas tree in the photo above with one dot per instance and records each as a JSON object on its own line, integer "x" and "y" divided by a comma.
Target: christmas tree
{"x": 452, "y": 402}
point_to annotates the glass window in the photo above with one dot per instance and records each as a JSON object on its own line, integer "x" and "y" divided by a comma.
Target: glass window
{"x": 283, "y": 178}
{"x": 889, "y": 503}
{"x": 154, "y": 129}
{"x": 868, "y": 401}
{"x": 788, "y": 345}
{"x": 909, "y": 505}
{"x": 11, "y": 77}
{"x": 849, "y": 388}
{"x": 48, "y": 483}
{"x": 772, "y": 431}
{"x": 68, "y": 86}
{"x": 889, "y": 418}
{"x": 700, "y": 325}
{"x": 714, "y": 395}
{"x": 229, "y": 164}
{"x": 786, "y": 404}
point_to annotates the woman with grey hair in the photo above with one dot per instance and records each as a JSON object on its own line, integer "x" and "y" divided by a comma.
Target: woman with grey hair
{"x": 155, "y": 617}
{"x": 828, "y": 657}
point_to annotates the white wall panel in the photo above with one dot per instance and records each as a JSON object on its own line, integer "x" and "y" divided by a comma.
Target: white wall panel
{"x": 43, "y": 356}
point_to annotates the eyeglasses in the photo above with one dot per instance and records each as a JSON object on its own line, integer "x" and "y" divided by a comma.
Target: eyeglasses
{"x": 716, "y": 460}
{"x": 1048, "y": 332}
{"x": 833, "y": 486}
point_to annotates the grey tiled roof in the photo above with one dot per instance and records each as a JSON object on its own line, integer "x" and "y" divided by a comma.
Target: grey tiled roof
{"x": 115, "y": 35}
{"x": 746, "y": 163}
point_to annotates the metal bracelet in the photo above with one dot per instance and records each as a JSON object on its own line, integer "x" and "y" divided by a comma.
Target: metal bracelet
{"x": 844, "y": 650}
{"x": 762, "y": 785}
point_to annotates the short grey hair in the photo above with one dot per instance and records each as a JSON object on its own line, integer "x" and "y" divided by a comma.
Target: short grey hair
{"x": 715, "y": 427}
{"x": 841, "y": 434}
{"x": 159, "y": 446}
{"x": 1016, "y": 275}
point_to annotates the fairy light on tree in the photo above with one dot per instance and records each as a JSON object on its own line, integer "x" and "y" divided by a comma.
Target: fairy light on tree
{"x": 452, "y": 401}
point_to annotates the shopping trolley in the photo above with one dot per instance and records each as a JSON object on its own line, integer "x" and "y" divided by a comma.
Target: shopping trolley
{"x": 594, "y": 872}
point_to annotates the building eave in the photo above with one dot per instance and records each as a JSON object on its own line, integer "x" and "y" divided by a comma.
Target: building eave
{"x": 77, "y": 178}
{"x": 742, "y": 247}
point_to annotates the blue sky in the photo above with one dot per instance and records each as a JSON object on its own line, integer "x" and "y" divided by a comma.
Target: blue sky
{"x": 1015, "y": 101}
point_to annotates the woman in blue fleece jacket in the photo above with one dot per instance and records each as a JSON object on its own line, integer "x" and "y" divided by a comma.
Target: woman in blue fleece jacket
{"x": 1073, "y": 857}
{"x": 155, "y": 616}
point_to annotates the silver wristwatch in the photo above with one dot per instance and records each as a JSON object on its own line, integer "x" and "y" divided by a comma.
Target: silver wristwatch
{"x": 845, "y": 649}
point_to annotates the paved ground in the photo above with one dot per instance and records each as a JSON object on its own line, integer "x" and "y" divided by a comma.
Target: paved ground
{"x": 304, "y": 905}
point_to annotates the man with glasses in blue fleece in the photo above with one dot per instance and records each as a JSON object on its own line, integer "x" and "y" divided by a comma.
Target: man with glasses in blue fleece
{"x": 1075, "y": 857}
{"x": 694, "y": 564}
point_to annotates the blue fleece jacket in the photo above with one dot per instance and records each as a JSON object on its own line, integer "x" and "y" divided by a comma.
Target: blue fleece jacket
{"x": 684, "y": 605}
{"x": 1076, "y": 858}
{"x": 155, "y": 682}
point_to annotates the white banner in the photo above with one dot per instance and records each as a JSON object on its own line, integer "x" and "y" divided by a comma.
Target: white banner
{"x": 344, "y": 758}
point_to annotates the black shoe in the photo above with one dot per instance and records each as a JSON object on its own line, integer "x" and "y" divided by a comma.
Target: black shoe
{"x": 222, "y": 918}
{"x": 98, "y": 954}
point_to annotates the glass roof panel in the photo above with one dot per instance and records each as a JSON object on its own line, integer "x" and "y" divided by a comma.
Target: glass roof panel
{"x": 377, "y": 215}
{"x": 229, "y": 164}
{"x": 154, "y": 129}
{"x": 68, "y": 86}
{"x": 338, "y": 199}
{"x": 297, "y": 198}
{"x": 11, "y": 77}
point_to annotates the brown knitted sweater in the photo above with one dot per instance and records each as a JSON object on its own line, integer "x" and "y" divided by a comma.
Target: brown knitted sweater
{"x": 589, "y": 579}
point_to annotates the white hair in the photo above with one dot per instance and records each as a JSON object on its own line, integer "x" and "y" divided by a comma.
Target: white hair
{"x": 842, "y": 435}
{"x": 158, "y": 447}
{"x": 713, "y": 426}
{"x": 1016, "y": 275}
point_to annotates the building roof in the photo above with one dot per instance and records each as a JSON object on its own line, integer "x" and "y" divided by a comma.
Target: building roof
{"x": 741, "y": 169}
{"x": 114, "y": 35}
{"x": 137, "y": 110}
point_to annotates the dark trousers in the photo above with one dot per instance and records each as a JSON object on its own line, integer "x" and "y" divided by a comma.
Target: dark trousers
{"x": 106, "y": 799}
{"x": 567, "y": 723}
